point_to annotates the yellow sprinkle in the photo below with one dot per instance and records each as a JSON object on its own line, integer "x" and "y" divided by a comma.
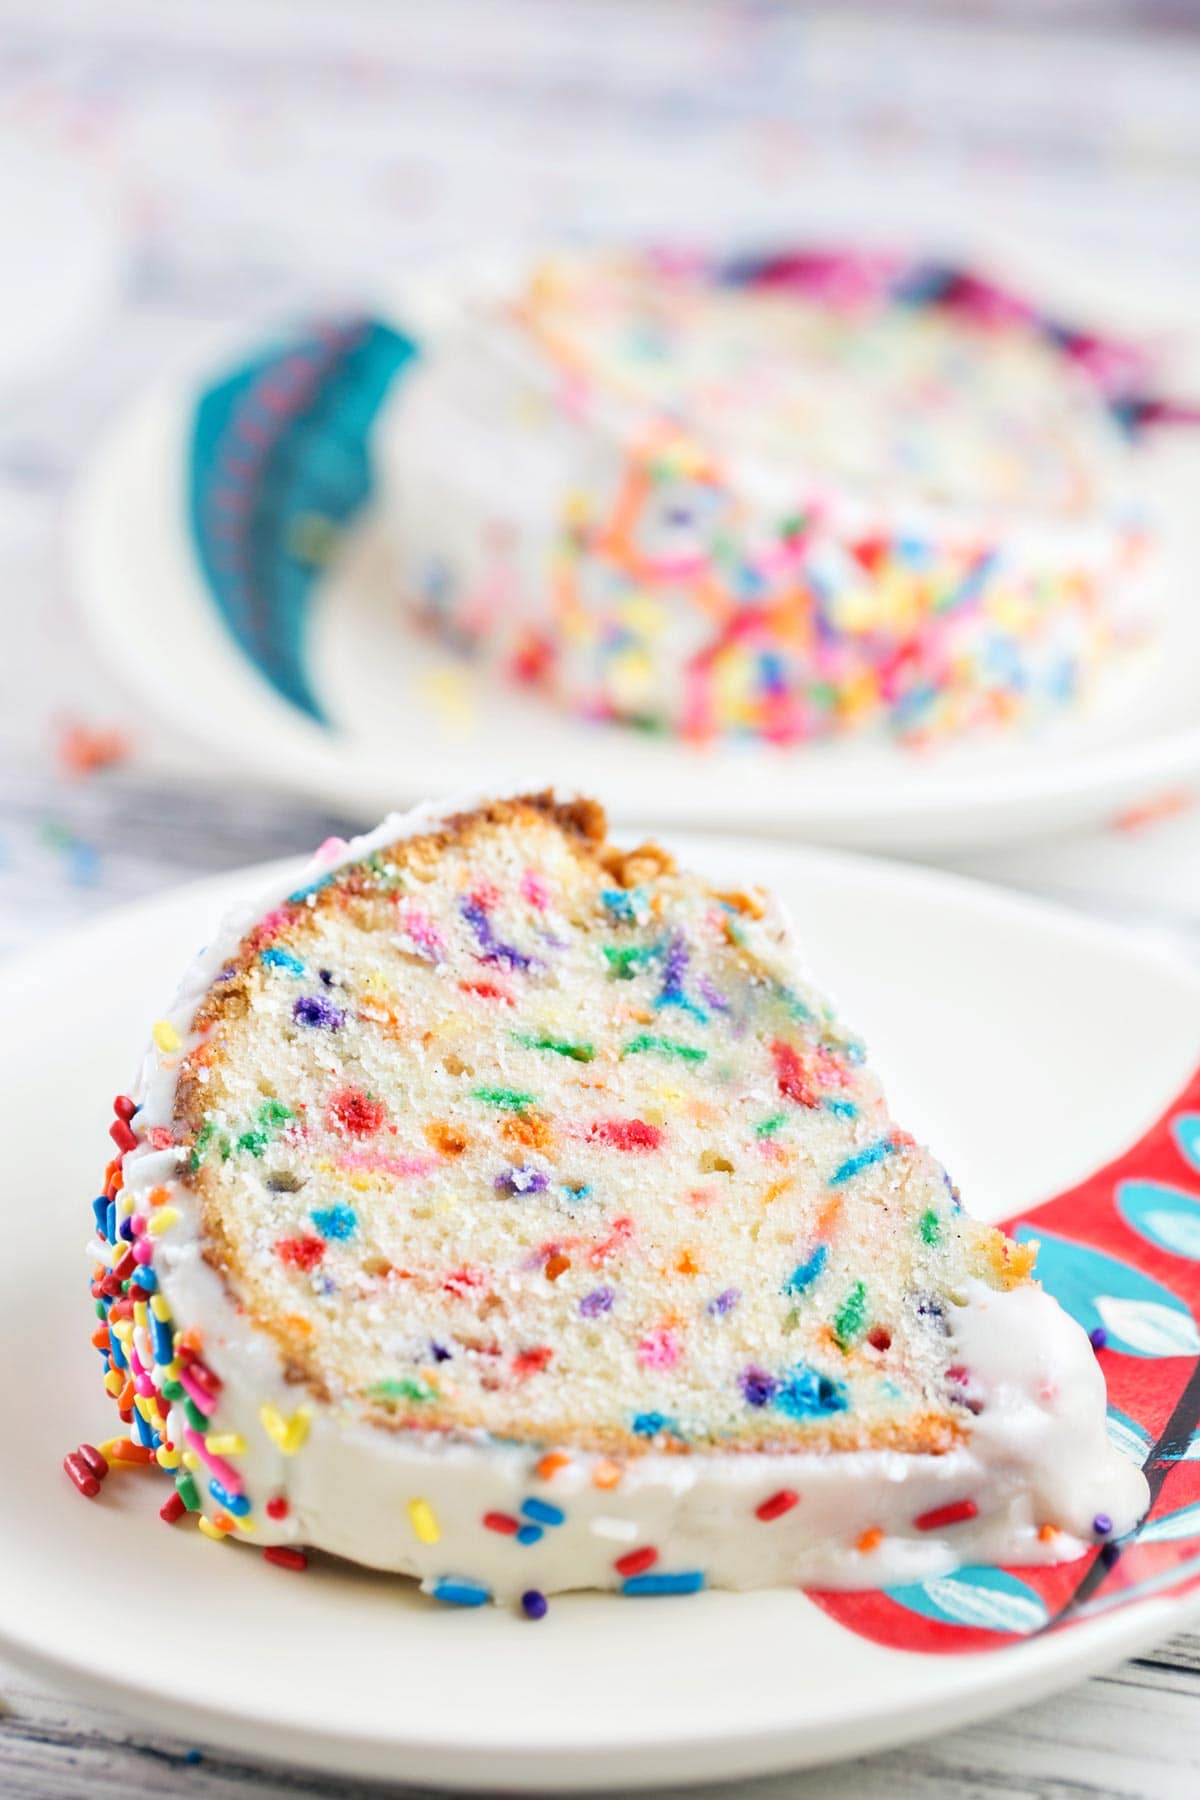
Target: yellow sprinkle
{"x": 163, "y": 1219}
{"x": 190, "y": 1460}
{"x": 107, "y": 1448}
{"x": 141, "y": 1315}
{"x": 122, "y": 1329}
{"x": 143, "y": 1405}
{"x": 246, "y": 1524}
{"x": 159, "y": 1308}
{"x": 166, "y": 1459}
{"x": 114, "y": 1381}
{"x": 165, "y": 1036}
{"x": 424, "y": 1523}
{"x": 226, "y": 1443}
{"x": 210, "y": 1530}
{"x": 172, "y": 1369}
{"x": 286, "y": 1434}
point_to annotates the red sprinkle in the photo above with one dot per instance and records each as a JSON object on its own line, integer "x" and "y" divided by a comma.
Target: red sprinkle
{"x": 487, "y": 990}
{"x": 777, "y": 1505}
{"x": 172, "y": 1509}
{"x": 531, "y": 1362}
{"x": 954, "y": 1514}
{"x": 504, "y": 1523}
{"x": 637, "y": 1561}
{"x": 790, "y": 1078}
{"x": 277, "y": 1507}
{"x": 285, "y": 1558}
{"x": 124, "y": 1107}
{"x": 625, "y": 1134}
{"x": 300, "y": 1252}
{"x": 358, "y": 1113}
{"x": 92, "y": 1459}
{"x": 81, "y": 1475}
{"x": 121, "y": 1135}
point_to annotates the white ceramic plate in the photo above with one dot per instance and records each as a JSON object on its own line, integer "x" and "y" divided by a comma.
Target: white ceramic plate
{"x": 1029, "y": 1047}
{"x": 401, "y": 715}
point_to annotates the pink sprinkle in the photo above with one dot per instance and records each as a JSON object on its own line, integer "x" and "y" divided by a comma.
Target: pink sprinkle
{"x": 142, "y": 1251}
{"x": 331, "y": 849}
{"x": 199, "y": 1394}
{"x": 137, "y": 1224}
{"x": 424, "y": 933}
{"x": 160, "y": 1138}
{"x": 387, "y": 1165}
{"x": 659, "y": 1349}
{"x": 224, "y": 1471}
{"x": 535, "y": 890}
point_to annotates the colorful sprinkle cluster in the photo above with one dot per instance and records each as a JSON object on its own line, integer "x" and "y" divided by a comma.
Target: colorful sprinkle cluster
{"x": 800, "y": 495}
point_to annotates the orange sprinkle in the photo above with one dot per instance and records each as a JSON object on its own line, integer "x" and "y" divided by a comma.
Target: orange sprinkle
{"x": 190, "y": 1342}
{"x": 870, "y": 1540}
{"x": 125, "y": 1397}
{"x": 744, "y": 903}
{"x": 1047, "y": 1533}
{"x": 100, "y": 1338}
{"x": 606, "y": 1475}
{"x": 687, "y": 1264}
{"x": 557, "y": 1265}
{"x": 159, "y": 1196}
{"x": 776, "y": 1188}
{"x": 551, "y": 1464}
{"x": 224, "y": 1521}
{"x": 124, "y": 1450}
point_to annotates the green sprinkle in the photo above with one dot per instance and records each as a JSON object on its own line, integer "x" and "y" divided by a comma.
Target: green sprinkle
{"x": 185, "y": 1487}
{"x": 624, "y": 961}
{"x": 851, "y": 1316}
{"x": 195, "y": 1418}
{"x": 208, "y": 1134}
{"x": 930, "y": 1227}
{"x": 274, "y": 1112}
{"x": 173, "y": 1390}
{"x": 768, "y": 1127}
{"x": 507, "y": 1099}
{"x": 647, "y": 1040}
{"x": 253, "y": 1142}
{"x": 408, "y": 1389}
{"x": 560, "y": 1046}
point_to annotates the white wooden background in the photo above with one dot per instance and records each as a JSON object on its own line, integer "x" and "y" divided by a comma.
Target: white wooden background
{"x": 271, "y": 156}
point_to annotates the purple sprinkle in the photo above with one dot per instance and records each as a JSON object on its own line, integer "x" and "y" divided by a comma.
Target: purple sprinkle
{"x": 676, "y": 964}
{"x": 493, "y": 948}
{"x": 440, "y": 1352}
{"x": 598, "y": 1301}
{"x": 524, "y": 1180}
{"x": 1102, "y": 1525}
{"x": 709, "y": 994}
{"x": 725, "y": 1302}
{"x": 310, "y": 1009}
{"x": 326, "y": 976}
{"x": 1109, "y": 1554}
{"x": 758, "y": 1387}
{"x": 1098, "y": 1339}
{"x": 533, "y": 1604}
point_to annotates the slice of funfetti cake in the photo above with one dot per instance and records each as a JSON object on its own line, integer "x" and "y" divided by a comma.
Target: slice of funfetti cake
{"x": 505, "y": 1208}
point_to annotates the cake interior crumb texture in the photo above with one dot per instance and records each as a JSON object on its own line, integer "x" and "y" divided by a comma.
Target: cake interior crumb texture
{"x": 505, "y": 1131}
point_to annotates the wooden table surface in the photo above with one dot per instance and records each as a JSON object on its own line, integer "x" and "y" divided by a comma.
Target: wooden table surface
{"x": 266, "y": 158}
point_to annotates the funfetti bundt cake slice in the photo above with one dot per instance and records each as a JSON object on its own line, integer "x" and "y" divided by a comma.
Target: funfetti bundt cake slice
{"x": 505, "y": 1208}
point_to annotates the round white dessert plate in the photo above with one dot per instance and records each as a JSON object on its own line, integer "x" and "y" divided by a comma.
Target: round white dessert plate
{"x": 1029, "y": 1047}
{"x": 391, "y": 711}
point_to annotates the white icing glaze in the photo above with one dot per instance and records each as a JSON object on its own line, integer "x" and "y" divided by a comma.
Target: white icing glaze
{"x": 1038, "y": 1451}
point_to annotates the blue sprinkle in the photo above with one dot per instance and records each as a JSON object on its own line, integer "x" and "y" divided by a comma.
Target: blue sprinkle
{"x": 542, "y": 1512}
{"x": 577, "y": 1190}
{"x": 164, "y": 1343}
{"x": 335, "y": 1221}
{"x": 529, "y": 1534}
{"x": 237, "y": 1504}
{"x": 862, "y": 1159}
{"x": 805, "y": 1273}
{"x": 118, "y": 1355}
{"x": 845, "y": 1109}
{"x": 688, "y": 1581}
{"x": 621, "y": 903}
{"x": 143, "y": 1431}
{"x": 460, "y": 1593}
{"x": 310, "y": 1009}
{"x": 111, "y": 1227}
{"x": 282, "y": 959}
{"x": 649, "y": 1424}
{"x": 100, "y": 1213}
{"x": 804, "y": 1393}
{"x": 314, "y": 887}
{"x": 145, "y": 1278}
